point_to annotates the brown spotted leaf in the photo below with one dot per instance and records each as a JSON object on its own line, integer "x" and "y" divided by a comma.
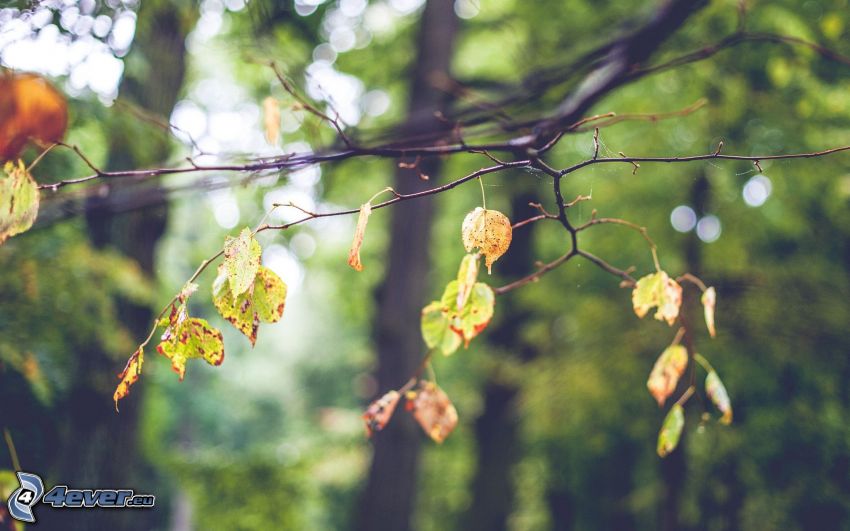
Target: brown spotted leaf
{"x": 665, "y": 375}
{"x": 19, "y": 200}
{"x": 433, "y": 410}
{"x": 489, "y": 231}
{"x": 242, "y": 260}
{"x": 380, "y": 411}
{"x": 129, "y": 375}
{"x": 263, "y": 301}
{"x": 359, "y": 233}
{"x": 269, "y": 295}
{"x": 189, "y": 338}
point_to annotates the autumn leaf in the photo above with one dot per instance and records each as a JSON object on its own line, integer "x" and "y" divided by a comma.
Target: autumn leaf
{"x": 359, "y": 233}
{"x": 188, "y": 338}
{"x": 433, "y": 410}
{"x": 709, "y": 301}
{"x": 271, "y": 120}
{"x": 129, "y": 375}
{"x": 489, "y": 231}
{"x": 661, "y": 291}
{"x": 671, "y": 430}
{"x": 668, "y": 368}
{"x": 380, "y": 411}
{"x": 242, "y": 260}
{"x": 263, "y": 301}
{"x": 467, "y": 275}
{"x": 444, "y": 326}
{"x": 30, "y": 109}
{"x": 19, "y": 200}
{"x": 716, "y": 391}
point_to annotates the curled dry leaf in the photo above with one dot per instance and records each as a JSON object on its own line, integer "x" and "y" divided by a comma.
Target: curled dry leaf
{"x": 19, "y": 200}
{"x": 129, "y": 375}
{"x": 671, "y": 430}
{"x": 359, "y": 233}
{"x": 271, "y": 120}
{"x": 489, "y": 231}
{"x": 660, "y": 291}
{"x": 30, "y": 109}
{"x": 669, "y": 367}
{"x": 709, "y": 301}
{"x": 716, "y": 391}
{"x": 433, "y": 410}
{"x": 242, "y": 260}
{"x": 380, "y": 411}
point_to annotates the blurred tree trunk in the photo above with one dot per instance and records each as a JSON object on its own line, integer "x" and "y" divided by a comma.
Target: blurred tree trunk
{"x": 388, "y": 500}
{"x": 497, "y": 428}
{"x": 100, "y": 446}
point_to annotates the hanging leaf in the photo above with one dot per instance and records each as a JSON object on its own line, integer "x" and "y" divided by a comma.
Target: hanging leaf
{"x": 264, "y": 301}
{"x": 380, "y": 411}
{"x": 359, "y": 233}
{"x": 19, "y": 199}
{"x": 433, "y": 410}
{"x": 189, "y": 338}
{"x": 436, "y": 329}
{"x": 489, "y": 231}
{"x": 661, "y": 291}
{"x": 129, "y": 375}
{"x": 716, "y": 391}
{"x": 467, "y": 274}
{"x": 444, "y": 326}
{"x": 242, "y": 259}
{"x": 671, "y": 430}
{"x": 271, "y": 120}
{"x": 709, "y": 300}
{"x": 30, "y": 109}
{"x": 665, "y": 374}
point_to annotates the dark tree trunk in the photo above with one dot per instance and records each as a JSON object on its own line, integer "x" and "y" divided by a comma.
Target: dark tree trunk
{"x": 388, "y": 500}
{"x": 100, "y": 446}
{"x": 497, "y": 428}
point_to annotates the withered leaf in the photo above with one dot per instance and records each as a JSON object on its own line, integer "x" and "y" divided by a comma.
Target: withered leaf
{"x": 380, "y": 411}
{"x": 660, "y": 291}
{"x": 271, "y": 120}
{"x": 666, "y": 372}
{"x": 489, "y": 231}
{"x": 359, "y": 233}
{"x": 188, "y": 338}
{"x": 129, "y": 375}
{"x": 433, "y": 410}
{"x": 709, "y": 301}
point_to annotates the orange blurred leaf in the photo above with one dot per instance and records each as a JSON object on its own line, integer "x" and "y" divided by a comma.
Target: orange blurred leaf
{"x": 668, "y": 368}
{"x": 30, "y": 109}
{"x": 433, "y": 410}
{"x": 359, "y": 233}
{"x": 380, "y": 411}
{"x": 129, "y": 376}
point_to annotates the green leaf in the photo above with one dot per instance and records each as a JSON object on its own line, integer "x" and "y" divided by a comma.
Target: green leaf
{"x": 467, "y": 275}
{"x": 671, "y": 430}
{"x": 242, "y": 260}
{"x": 269, "y": 295}
{"x": 661, "y": 291}
{"x": 436, "y": 329}
{"x": 666, "y": 372}
{"x": 264, "y": 301}
{"x": 19, "y": 199}
{"x": 188, "y": 338}
{"x": 716, "y": 391}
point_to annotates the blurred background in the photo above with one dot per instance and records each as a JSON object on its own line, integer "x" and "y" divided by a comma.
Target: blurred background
{"x": 557, "y": 430}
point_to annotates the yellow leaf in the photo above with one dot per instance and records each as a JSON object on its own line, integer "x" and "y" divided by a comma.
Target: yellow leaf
{"x": 271, "y": 120}
{"x": 433, "y": 410}
{"x": 666, "y": 372}
{"x": 359, "y": 233}
{"x": 19, "y": 200}
{"x": 709, "y": 301}
{"x": 489, "y": 231}
{"x": 129, "y": 376}
{"x": 661, "y": 291}
{"x": 380, "y": 411}
{"x": 30, "y": 109}
{"x": 467, "y": 275}
{"x": 716, "y": 391}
